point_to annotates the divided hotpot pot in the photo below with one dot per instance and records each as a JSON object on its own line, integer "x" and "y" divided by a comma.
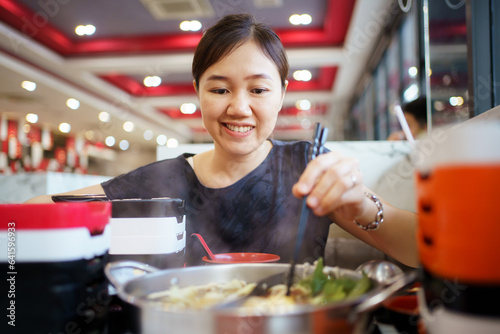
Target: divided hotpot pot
{"x": 342, "y": 317}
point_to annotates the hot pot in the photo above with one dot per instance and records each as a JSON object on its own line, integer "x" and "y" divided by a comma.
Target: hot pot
{"x": 342, "y": 317}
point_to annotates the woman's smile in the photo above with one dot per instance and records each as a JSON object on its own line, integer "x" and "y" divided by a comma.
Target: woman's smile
{"x": 241, "y": 130}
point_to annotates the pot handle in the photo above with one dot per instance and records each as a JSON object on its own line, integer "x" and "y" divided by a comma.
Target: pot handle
{"x": 117, "y": 276}
{"x": 396, "y": 284}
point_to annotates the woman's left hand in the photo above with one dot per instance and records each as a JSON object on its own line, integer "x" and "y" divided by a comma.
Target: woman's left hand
{"x": 334, "y": 186}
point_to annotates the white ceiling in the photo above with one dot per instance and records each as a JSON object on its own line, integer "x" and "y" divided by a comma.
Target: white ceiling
{"x": 57, "y": 78}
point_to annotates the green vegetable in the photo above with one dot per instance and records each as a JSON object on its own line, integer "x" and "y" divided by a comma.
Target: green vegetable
{"x": 326, "y": 289}
{"x": 362, "y": 286}
{"x": 318, "y": 279}
{"x": 333, "y": 290}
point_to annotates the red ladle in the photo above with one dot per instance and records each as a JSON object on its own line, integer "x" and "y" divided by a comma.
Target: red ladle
{"x": 226, "y": 258}
{"x": 205, "y": 246}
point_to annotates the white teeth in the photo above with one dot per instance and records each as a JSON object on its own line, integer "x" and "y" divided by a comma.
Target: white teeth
{"x": 238, "y": 128}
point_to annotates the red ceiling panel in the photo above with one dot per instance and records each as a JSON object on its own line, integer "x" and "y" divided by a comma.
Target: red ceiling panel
{"x": 37, "y": 25}
{"x": 323, "y": 82}
{"x": 136, "y": 88}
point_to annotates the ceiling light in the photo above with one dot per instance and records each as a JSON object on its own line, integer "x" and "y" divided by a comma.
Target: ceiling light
{"x": 64, "y": 127}
{"x": 172, "y": 142}
{"x": 32, "y": 118}
{"x": 188, "y": 108}
{"x": 190, "y": 25}
{"x": 303, "y": 75}
{"x": 411, "y": 93}
{"x": 80, "y": 30}
{"x": 305, "y": 123}
{"x": 306, "y": 19}
{"x": 185, "y": 25}
{"x": 89, "y": 134}
{"x": 456, "y": 101}
{"x": 148, "y": 135}
{"x": 303, "y": 104}
{"x": 88, "y": 30}
{"x": 195, "y": 25}
{"x": 303, "y": 19}
{"x": 73, "y": 104}
{"x": 306, "y": 75}
{"x": 152, "y": 81}
{"x": 104, "y": 116}
{"x": 28, "y": 85}
{"x": 161, "y": 140}
{"x": 438, "y": 105}
{"x": 295, "y": 19}
{"x": 128, "y": 126}
{"x": 109, "y": 141}
{"x": 413, "y": 71}
{"x": 124, "y": 145}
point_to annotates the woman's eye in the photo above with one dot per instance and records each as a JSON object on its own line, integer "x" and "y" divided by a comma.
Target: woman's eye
{"x": 259, "y": 90}
{"x": 219, "y": 91}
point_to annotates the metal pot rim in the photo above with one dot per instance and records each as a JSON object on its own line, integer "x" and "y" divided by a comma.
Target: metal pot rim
{"x": 345, "y": 306}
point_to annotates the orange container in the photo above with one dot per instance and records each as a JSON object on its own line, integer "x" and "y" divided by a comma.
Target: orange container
{"x": 459, "y": 225}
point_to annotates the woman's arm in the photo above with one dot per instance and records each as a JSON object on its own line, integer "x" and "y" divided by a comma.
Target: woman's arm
{"x": 92, "y": 190}
{"x": 396, "y": 236}
{"x": 334, "y": 186}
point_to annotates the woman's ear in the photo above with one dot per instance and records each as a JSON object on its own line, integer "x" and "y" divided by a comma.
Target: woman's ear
{"x": 195, "y": 88}
{"x": 283, "y": 91}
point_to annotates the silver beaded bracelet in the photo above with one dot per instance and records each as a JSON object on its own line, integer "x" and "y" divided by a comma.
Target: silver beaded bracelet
{"x": 379, "y": 218}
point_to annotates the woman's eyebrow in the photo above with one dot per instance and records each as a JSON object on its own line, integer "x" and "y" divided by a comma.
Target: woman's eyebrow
{"x": 217, "y": 77}
{"x": 258, "y": 76}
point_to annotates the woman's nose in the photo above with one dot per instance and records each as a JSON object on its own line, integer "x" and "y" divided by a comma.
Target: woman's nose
{"x": 239, "y": 105}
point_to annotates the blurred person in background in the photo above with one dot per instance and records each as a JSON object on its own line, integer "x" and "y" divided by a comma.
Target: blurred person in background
{"x": 415, "y": 113}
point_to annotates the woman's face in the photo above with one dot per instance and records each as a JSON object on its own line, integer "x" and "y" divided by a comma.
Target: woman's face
{"x": 240, "y": 97}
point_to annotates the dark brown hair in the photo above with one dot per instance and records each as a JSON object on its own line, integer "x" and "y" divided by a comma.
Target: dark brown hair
{"x": 418, "y": 108}
{"x": 229, "y": 33}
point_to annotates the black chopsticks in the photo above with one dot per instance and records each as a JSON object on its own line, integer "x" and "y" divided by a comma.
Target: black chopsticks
{"x": 319, "y": 140}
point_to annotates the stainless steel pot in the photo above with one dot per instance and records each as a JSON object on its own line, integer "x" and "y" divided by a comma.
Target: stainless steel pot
{"x": 343, "y": 317}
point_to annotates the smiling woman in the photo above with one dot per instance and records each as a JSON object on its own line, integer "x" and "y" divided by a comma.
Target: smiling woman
{"x": 245, "y": 195}
{"x": 241, "y": 96}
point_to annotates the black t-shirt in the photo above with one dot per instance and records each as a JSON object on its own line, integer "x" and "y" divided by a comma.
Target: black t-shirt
{"x": 258, "y": 213}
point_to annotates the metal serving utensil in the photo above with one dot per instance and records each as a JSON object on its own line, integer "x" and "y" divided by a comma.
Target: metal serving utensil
{"x": 380, "y": 270}
{"x": 319, "y": 140}
{"x": 261, "y": 289}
